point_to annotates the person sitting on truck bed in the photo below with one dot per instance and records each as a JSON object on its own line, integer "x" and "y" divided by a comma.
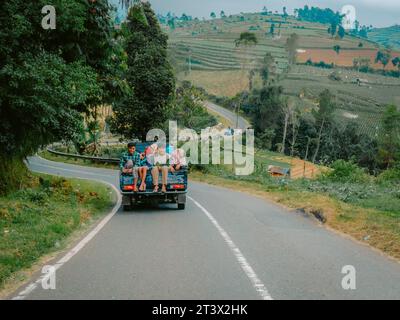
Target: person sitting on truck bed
{"x": 143, "y": 168}
{"x": 177, "y": 160}
{"x": 129, "y": 163}
{"x": 160, "y": 160}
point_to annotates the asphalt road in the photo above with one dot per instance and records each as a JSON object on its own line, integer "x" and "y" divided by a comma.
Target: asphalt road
{"x": 225, "y": 245}
{"x": 227, "y": 114}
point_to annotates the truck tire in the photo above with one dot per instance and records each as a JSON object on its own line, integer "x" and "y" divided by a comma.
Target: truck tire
{"x": 181, "y": 206}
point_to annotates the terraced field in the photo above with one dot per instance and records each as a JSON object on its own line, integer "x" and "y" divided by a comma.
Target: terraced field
{"x": 215, "y": 63}
{"x": 387, "y": 36}
{"x": 363, "y": 103}
{"x": 212, "y": 42}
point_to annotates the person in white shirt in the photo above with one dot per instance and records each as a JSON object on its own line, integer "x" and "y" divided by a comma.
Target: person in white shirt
{"x": 160, "y": 164}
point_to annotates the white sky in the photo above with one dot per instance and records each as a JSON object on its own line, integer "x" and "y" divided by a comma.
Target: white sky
{"x": 379, "y": 13}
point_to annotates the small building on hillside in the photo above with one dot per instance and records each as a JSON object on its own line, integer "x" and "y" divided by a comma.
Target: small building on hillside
{"x": 276, "y": 171}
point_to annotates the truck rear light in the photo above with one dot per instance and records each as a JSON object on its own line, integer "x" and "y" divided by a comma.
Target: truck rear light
{"x": 128, "y": 188}
{"x": 177, "y": 186}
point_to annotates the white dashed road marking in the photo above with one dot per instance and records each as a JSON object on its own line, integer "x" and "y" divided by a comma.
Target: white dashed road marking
{"x": 248, "y": 270}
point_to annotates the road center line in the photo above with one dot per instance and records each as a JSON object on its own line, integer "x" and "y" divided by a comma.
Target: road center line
{"x": 248, "y": 270}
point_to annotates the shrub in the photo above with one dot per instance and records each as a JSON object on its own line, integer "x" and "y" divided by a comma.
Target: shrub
{"x": 390, "y": 175}
{"x": 344, "y": 171}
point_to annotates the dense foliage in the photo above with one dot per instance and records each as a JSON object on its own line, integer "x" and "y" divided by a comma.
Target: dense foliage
{"x": 315, "y": 14}
{"x": 48, "y": 78}
{"x": 149, "y": 75}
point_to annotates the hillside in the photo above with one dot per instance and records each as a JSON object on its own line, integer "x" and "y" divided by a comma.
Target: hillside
{"x": 215, "y": 63}
{"x": 386, "y": 36}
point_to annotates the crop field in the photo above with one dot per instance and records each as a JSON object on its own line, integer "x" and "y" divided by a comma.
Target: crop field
{"x": 345, "y": 57}
{"x": 204, "y": 53}
{"x": 220, "y": 83}
{"x": 210, "y": 45}
{"x": 363, "y": 103}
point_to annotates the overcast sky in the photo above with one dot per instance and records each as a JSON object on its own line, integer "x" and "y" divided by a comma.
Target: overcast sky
{"x": 379, "y": 13}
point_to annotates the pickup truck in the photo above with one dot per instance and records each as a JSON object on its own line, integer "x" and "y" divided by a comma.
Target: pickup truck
{"x": 177, "y": 185}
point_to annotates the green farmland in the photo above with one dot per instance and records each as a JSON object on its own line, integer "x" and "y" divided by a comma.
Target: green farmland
{"x": 215, "y": 64}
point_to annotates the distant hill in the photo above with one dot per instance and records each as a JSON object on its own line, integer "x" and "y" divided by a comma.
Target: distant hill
{"x": 386, "y": 36}
{"x": 204, "y": 53}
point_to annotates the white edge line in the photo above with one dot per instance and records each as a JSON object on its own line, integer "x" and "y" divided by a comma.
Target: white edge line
{"x": 248, "y": 270}
{"x": 32, "y": 286}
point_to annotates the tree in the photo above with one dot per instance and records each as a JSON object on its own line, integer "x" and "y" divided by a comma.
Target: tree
{"x": 333, "y": 28}
{"x": 213, "y": 15}
{"x": 246, "y": 39}
{"x": 383, "y": 57}
{"x": 265, "y": 113}
{"x": 222, "y": 14}
{"x": 285, "y": 14}
{"x": 184, "y": 17}
{"x": 337, "y": 49}
{"x": 149, "y": 76}
{"x": 288, "y": 107}
{"x": 47, "y": 78}
{"x": 189, "y": 110}
{"x": 389, "y": 138}
{"x": 323, "y": 116}
{"x": 268, "y": 70}
{"x": 272, "y": 29}
{"x": 361, "y": 62}
{"x": 294, "y": 121}
{"x": 244, "y": 43}
{"x": 171, "y": 23}
{"x": 396, "y": 62}
{"x": 341, "y": 32}
{"x": 363, "y": 32}
{"x": 315, "y": 14}
{"x": 292, "y": 44}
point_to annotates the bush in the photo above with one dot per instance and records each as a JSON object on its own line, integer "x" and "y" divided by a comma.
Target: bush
{"x": 390, "y": 175}
{"x": 344, "y": 171}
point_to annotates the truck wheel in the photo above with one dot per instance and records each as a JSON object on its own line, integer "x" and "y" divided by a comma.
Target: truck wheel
{"x": 181, "y": 206}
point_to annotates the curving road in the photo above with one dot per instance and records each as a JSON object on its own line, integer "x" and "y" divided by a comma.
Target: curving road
{"x": 225, "y": 245}
{"x": 227, "y": 114}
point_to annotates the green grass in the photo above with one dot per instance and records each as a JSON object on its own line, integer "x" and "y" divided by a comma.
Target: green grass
{"x": 38, "y": 219}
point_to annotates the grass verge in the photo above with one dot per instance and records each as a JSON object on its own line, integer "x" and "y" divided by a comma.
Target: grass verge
{"x": 40, "y": 219}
